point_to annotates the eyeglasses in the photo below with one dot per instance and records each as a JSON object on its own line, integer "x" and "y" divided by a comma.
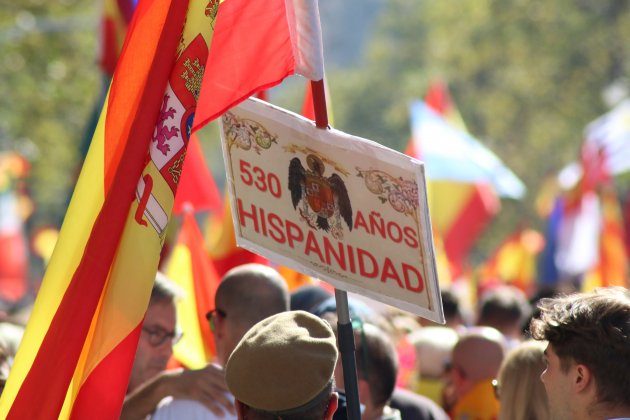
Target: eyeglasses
{"x": 158, "y": 336}
{"x": 496, "y": 387}
{"x": 209, "y": 316}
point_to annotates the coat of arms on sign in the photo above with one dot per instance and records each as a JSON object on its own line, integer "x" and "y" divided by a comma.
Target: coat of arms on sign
{"x": 325, "y": 200}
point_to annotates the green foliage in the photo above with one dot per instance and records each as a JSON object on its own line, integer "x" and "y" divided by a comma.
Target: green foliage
{"x": 50, "y": 83}
{"x": 527, "y": 76}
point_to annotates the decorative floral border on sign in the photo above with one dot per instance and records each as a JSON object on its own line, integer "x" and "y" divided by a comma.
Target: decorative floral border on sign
{"x": 246, "y": 134}
{"x": 401, "y": 194}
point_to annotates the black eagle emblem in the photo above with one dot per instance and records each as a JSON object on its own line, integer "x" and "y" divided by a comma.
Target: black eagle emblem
{"x": 323, "y": 198}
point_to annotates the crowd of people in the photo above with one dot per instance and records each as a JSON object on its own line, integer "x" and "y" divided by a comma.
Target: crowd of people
{"x": 565, "y": 356}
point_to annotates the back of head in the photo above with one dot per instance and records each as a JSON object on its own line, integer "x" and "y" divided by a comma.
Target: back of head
{"x": 377, "y": 361}
{"x": 434, "y": 346}
{"x": 283, "y": 367}
{"x": 520, "y": 387}
{"x": 451, "y": 306}
{"x": 306, "y": 298}
{"x": 479, "y": 353}
{"x": 433, "y": 349}
{"x": 505, "y": 308}
{"x": 251, "y": 293}
{"x": 592, "y": 329}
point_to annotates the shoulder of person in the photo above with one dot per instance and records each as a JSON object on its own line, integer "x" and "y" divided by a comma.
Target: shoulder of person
{"x": 176, "y": 409}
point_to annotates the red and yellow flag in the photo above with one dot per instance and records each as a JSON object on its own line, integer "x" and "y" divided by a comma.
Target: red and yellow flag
{"x": 514, "y": 261}
{"x": 193, "y": 271}
{"x": 612, "y": 267}
{"x": 197, "y": 189}
{"x": 114, "y": 22}
{"x": 460, "y": 210}
{"x": 79, "y": 345}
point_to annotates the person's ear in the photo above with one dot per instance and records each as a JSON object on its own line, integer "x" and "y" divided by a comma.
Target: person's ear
{"x": 332, "y": 406}
{"x": 582, "y": 377}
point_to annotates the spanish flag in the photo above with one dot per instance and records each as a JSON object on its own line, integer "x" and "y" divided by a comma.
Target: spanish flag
{"x": 190, "y": 267}
{"x": 79, "y": 345}
{"x": 114, "y": 23}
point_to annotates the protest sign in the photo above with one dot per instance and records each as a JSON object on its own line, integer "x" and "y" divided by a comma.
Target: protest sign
{"x": 345, "y": 209}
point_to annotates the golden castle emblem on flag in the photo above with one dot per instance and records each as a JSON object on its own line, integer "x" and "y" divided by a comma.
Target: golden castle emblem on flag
{"x": 193, "y": 76}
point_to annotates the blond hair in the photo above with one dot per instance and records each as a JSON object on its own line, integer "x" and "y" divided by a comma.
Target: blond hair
{"x": 521, "y": 392}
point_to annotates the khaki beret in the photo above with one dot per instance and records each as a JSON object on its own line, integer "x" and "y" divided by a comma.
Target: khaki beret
{"x": 282, "y": 362}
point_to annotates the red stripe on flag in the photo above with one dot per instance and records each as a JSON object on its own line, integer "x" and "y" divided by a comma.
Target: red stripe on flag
{"x": 474, "y": 216}
{"x": 108, "y": 382}
{"x": 197, "y": 187}
{"x": 251, "y": 51}
{"x": 56, "y": 359}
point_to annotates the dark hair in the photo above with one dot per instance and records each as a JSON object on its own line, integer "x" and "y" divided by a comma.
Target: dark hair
{"x": 314, "y": 410}
{"x": 592, "y": 329}
{"x": 377, "y": 361}
{"x": 502, "y": 307}
{"x": 450, "y": 303}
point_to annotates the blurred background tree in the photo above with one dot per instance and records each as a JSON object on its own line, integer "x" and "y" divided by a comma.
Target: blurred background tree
{"x": 50, "y": 83}
{"x": 527, "y": 76}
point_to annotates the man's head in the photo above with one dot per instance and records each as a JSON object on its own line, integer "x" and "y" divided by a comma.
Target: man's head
{"x": 377, "y": 367}
{"x": 283, "y": 367}
{"x": 246, "y": 295}
{"x": 588, "y": 352}
{"x": 155, "y": 345}
{"x": 505, "y": 308}
{"x": 476, "y": 357}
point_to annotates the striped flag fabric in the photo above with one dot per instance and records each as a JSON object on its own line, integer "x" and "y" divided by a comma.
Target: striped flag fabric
{"x": 190, "y": 268}
{"x": 452, "y": 154}
{"x": 514, "y": 261}
{"x": 612, "y": 265}
{"x": 114, "y": 23}
{"x": 285, "y": 35}
{"x": 80, "y": 342}
{"x": 460, "y": 208}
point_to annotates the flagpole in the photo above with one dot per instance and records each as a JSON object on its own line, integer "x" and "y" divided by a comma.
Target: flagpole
{"x": 344, "y": 324}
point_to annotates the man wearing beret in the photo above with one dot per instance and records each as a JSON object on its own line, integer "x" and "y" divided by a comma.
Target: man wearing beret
{"x": 284, "y": 368}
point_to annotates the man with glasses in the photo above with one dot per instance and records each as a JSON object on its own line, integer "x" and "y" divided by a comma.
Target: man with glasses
{"x": 149, "y": 381}
{"x": 246, "y": 295}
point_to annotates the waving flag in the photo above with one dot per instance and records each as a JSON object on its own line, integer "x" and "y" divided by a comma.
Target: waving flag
{"x": 612, "y": 266}
{"x": 197, "y": 188}
{"x": 452, "y": 154}
{"x": 609, "y": 135}
{"x": 460, "y": 209}
{"x": 256, "y": 44}
{"x": 514, "y": 261}
{"x": 80, "y": 342}
{"x": 192, "y": 270}
{"x": 114, "y": 22}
